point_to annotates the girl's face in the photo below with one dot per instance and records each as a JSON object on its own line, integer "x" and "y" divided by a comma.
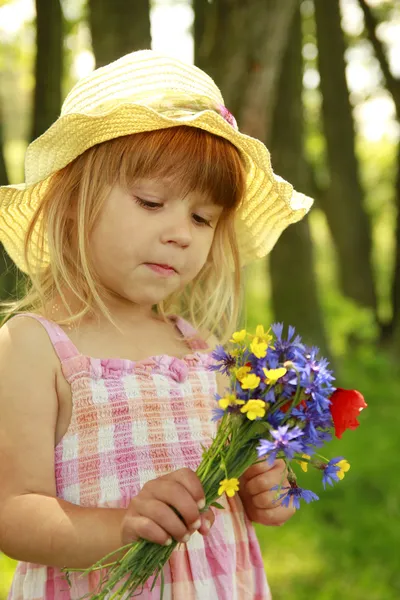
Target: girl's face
{"x": 153, "y": 224}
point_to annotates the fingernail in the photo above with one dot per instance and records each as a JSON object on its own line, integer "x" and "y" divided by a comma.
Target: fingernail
{"x": 196, "y": 524}
{"x": 207, "y": 524}
{"x": 168, "y": 542}
{"x": 201, "y": 504}
{"x": 186, "y": 538}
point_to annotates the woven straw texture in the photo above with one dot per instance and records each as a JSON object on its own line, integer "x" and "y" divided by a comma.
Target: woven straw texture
{"x": 146, "y": 91}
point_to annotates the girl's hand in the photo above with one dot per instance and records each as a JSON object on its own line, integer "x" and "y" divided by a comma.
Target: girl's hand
{"x": 150, "y": 514}
{"x": 259, "y": 501}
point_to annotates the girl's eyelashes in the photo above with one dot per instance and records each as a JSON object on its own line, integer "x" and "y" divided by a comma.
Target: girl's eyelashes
{"x": 154, "y": 205}
{"x": 145, "y": 203}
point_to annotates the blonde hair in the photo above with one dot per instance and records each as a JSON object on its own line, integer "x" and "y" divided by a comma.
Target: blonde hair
{"x": 72, "y": 203}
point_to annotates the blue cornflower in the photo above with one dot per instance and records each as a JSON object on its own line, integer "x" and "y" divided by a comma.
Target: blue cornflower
{"x": 299, "y": 412}
{"x": 275, "y": 418}
{"x": 313, "y": 436}
{"x": 295, "y": 493}
{"x": 284, "y": 440}
{"x": 225, "y": 361}
{"x": 218, "y": 414}
{"x": 317, "y": 367}
{"x": 331, "y": 471}
{"x": 316, "y": 378}
{"x": 289, "y": 349}
{"x": 321, "y": 402}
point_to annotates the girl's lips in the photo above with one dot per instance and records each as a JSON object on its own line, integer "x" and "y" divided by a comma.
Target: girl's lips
{"x": 161, "y": 269}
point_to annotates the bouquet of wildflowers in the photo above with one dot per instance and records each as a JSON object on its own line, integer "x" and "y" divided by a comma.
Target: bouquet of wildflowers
{"x": 280, "y": 404}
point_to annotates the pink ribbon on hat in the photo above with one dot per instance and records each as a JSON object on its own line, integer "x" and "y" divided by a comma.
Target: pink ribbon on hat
{"x": 227, "y": 115}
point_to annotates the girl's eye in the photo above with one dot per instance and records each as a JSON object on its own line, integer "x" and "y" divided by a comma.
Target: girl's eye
{"x": 146, "y": 204}
{"x": 202, "y": 221}
{"x": 152, "y": 205}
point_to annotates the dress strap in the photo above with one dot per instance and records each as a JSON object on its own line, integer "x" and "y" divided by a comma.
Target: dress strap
{"x": 63, "y": 346}
{"x": 187, "y": 330}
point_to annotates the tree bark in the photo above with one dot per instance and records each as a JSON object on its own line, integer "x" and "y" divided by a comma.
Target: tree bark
{"x": 49, "y": 65}
{"x": 393, "y": 86}
{"x": 3, "y": 168}
{"x": 294, "y": 289}
{"x": 7, "y": 275}
{"x": 344, "y": 203}
{"x": 240, "y": 45}
{"x": 118, "y": 27}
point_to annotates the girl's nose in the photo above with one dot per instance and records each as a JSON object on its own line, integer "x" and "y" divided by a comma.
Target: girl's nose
{"x": 177, "y": 229}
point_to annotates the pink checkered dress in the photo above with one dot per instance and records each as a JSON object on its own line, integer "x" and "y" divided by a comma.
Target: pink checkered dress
{"x": 132, "y": 422}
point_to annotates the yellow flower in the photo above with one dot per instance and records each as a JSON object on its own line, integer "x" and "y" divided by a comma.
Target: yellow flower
{"x": 344, "y": 466}
{"x": 259, "y": 349}
{"x": 262, "y": 336}
{"x": 229, "y": 486}
{"x": 238, "y": 336}
{"x": 254, "y": 409}
{"x": 303, "y": 463}
{"x": 272, "y": 375}
{"x": 250, "y": 382}
{"x": 229, "y": 400}
{"x": 242, "y": 372}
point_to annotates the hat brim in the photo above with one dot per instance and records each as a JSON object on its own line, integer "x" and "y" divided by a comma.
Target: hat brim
{"x": 270, "y": 205}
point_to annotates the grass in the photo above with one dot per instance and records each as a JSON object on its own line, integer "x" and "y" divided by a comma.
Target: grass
{"x": 345, "y": 545}
{"x": 7, "y": 567}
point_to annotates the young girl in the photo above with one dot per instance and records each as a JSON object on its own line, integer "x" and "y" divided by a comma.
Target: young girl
{"x": 142, "y": 203}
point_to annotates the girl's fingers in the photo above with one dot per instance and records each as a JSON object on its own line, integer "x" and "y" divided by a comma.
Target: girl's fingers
{"x": 138, "y": 527}
{"x": 264, "y": 467}
{"x": 264, "y": 482}
{"x": 207, "y": 521}
{"x": 192, "y": 483}
{"x": 266, "y": 500}
{"x": 274, "y": 517}
{"x": 171, "y": 493}
{"x": 166, "y": 518}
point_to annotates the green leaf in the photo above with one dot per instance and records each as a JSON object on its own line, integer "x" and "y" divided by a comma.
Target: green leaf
{"x": 217, "y": 505}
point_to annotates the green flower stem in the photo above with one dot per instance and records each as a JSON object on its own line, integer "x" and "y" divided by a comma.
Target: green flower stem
{"x": 323, "y": 457}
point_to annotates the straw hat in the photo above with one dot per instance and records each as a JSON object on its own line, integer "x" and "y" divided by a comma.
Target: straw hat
{"x": 145, "y": 91}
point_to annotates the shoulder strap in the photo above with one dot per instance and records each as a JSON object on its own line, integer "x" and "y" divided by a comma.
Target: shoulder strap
{"x": 63, "y": 346}
{"x": 187, "y": 330}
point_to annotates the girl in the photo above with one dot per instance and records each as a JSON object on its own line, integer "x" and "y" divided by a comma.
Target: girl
{"x": 142, "y": 203}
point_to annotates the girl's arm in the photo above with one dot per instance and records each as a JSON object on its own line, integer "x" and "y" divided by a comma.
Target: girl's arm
{"x": 35, "y": 526}
{"x": 50, "y": 531}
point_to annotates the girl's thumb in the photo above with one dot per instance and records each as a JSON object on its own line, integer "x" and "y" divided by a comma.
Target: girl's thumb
{"x": 207, "y": 521}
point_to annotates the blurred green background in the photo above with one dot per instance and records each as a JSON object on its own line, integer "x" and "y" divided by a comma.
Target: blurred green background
{"x": 319, "y": 82}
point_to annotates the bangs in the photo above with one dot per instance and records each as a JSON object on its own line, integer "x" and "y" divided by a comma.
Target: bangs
{"x": 197, "y": 160}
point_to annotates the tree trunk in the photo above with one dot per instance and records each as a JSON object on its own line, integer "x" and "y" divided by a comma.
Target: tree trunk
{"x": 344, "y": 203}
{"x": 240, "y": 45}
{"x": 3, "y": 168}
{"x": 393, "y": 330}
{"x": 393, "y": 86}
{"x": 7, "y": 276}
{"x": 118, "y": 27}
{"x": 294, "y": 288}
{"x": 49, "y": 65}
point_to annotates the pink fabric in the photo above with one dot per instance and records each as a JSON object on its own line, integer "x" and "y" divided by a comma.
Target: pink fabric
{"x": 132, "y": 422}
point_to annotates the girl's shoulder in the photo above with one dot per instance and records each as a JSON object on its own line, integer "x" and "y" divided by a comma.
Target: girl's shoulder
{"x": 22, "y": 340}
{"x": 28, "y": 407}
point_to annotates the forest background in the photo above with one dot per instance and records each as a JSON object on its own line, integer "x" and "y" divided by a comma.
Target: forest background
{"x": 319, "y": 82}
